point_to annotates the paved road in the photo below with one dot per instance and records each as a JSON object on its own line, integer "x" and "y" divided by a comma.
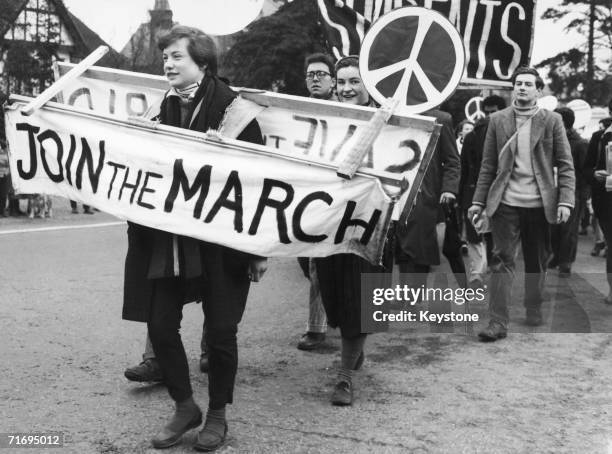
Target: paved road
{"x": 64, "y": 349}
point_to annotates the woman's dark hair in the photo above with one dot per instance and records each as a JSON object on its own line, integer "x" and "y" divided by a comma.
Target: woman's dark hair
{"x": 200, "y": 46}
{"x": 345, "y": 62}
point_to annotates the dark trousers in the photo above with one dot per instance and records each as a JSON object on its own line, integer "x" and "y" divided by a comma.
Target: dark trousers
{"x": 222, "y": 318}
{"x": 488, "y": 237}
{"x": 451, "y": 246}
{"x": 508, "y": 226}
{"x": 606, "y": 227}
{"x": 414, "y": 273}
{"x": 564, "y": 237}
{"x": 73, "y": 205}
{"x": 417, "y": 272}
{"x": 5, "y": 185}
{"x": 585, "y": 216}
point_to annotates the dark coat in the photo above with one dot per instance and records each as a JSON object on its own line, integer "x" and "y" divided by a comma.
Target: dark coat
{"x": 596, "y": 160}
{"x": 417, "y": 236}
{"x": 579, "y": 148}
{"x": 150, "y": 251}
{"x": 471, "y": 159}
{"x": 549, "y": 149}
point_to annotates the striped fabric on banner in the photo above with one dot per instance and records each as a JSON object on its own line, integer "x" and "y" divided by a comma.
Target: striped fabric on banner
{"x": 497, "y": 34}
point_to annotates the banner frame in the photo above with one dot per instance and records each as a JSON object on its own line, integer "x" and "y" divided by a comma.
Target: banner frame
{"x": 18, "y": 101}
{"x": 386, "y": 178}
{"x": 307, "y": 105}
{"x": 261, "y": 97}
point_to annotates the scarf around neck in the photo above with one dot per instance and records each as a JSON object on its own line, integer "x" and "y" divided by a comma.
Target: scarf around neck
{"x": 524, "y": 111}
{"x": 212, "y": 95}
{"x": 185, "y": 93}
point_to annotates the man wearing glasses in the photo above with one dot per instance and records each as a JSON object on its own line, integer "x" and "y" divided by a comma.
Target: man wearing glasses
{"x": 320, "y": 77}
{"x": 320, "y": 82}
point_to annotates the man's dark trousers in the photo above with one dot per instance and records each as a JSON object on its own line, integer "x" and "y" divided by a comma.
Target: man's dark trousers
{"x": 509, "y": 225}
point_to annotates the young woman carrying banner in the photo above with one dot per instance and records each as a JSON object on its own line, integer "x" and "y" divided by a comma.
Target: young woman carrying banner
{"x": 163, "y": 271}
{"x": 340, "y": 274}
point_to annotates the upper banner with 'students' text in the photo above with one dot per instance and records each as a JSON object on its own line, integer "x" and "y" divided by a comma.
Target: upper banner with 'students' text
{"x": 497, "y": 34}
{"x": 222, "y": 191}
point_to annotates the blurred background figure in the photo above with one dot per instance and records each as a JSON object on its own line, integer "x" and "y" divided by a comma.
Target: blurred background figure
{"x": 564, "y": 237}
{"x": 595, "y": 171}
{"x": 479, "y": 244}
{"x": 462, "y": 130}
{"x": 86, "y": 208}
{"x": 5, "y": 180}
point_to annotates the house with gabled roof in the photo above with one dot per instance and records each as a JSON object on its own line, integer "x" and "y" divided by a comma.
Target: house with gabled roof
{"x": 33, "y": 34}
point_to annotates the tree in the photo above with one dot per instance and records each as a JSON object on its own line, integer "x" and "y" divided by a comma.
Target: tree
{"x": 575, "y": 72}
{"x": 568, "y": 78}
{"x": 141, "y": 53}
{"x": 270, "y": 53}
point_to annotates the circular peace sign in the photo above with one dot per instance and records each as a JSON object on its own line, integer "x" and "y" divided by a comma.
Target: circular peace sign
{"x": 474, "y": 110}
{"x": 413, "y": 54}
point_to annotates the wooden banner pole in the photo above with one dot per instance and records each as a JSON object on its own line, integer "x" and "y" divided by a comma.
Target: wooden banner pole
{"x": 64, "y": 81}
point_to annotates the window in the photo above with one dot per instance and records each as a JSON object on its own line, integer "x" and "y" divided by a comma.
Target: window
{"x": 19, "y": 27}
{"x": 31, "y": 20}
{"x": 54, "y": 30}
{"x": 38, "y": 22}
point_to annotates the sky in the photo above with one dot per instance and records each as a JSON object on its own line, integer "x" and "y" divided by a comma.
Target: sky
{"x": 121, "y": 18}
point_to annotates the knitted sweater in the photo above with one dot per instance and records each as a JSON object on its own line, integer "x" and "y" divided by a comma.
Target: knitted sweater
{"x": 522, "y": 189}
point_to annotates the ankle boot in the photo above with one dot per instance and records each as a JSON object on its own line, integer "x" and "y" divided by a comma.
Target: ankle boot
{"x": 186, "y": 416}
{"x": 214, "y": 433}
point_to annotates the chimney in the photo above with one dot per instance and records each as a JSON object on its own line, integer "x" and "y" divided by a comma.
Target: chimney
{"x": 161, "y": 16}
{"x": 162, "y": 5}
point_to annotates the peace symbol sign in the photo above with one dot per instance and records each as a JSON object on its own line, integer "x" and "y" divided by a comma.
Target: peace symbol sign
{"x": 413, "y": 54}
{"x": 474, "y": 110}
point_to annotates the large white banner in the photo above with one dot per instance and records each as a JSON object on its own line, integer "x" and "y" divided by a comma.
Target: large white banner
{"x": 298, "y": 126}
{"x": 227, "y": 192}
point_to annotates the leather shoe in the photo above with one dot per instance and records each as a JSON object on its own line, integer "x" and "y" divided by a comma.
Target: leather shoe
{"x": 533, "y": 317}
{"x": 170, "y": 436}
{"x": 565, "y": 271}
{"x": 493, "y": 332}
{"x": 204, "y": 362}
{"x": 146, "y": 371}
{"x": 599, "y": 246}
{"x": 343, "y": 394}
{"x": 311, "y": 341}
{"x": 209, "y": 440}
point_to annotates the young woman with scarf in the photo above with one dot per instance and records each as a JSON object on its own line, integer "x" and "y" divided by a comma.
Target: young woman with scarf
{"x": 340, "y": 274}
{"x": 163, "y": 271}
